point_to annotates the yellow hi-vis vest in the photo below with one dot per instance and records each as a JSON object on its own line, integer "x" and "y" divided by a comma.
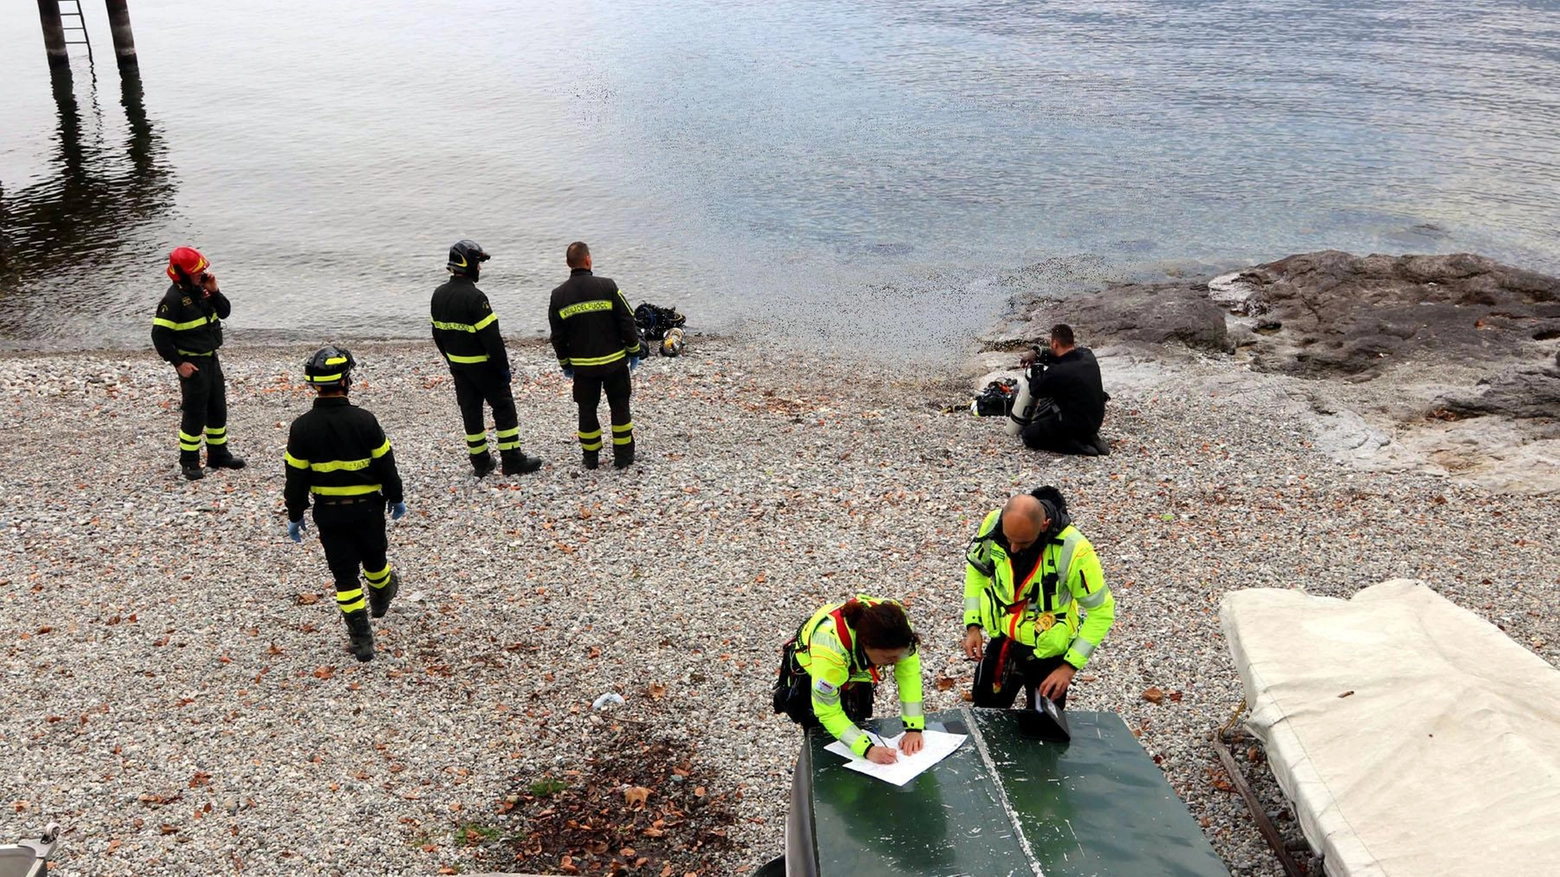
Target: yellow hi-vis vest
{"x": 1044, "y": 610}
{"x": 831, "y": 661}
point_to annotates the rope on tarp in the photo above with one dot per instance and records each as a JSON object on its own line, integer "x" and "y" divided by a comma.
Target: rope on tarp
{"x": 1240, "y": 709}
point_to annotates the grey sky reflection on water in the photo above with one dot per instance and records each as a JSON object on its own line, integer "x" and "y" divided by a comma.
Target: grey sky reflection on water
{"x": 76, "y": 218}
{"x": 881, "y": 174}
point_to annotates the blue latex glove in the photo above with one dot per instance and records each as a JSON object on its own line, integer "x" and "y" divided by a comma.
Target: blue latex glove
{"x": 568, "y": 372}
{"x": 295, "y": 531}
{"x": 507, "y": 375}
{"x": 397, "y": 511}
{"x": 633, "y": 363}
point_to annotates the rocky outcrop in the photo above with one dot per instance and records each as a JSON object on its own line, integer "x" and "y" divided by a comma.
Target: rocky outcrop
{"x": 1526, "y": 391}
{"x": 1131, "y": 313}
{"x": 1336, "y": 313}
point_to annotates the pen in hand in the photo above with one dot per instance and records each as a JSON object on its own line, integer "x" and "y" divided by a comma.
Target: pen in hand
{"x": 890, "y": 754}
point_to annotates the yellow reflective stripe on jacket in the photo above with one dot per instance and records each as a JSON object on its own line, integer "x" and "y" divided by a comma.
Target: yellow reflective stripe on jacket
{"x": 180, "y": 327}
{"x": 584, "y": 307}
{"x": 194, "y": 352}
{"x": 295, "y": 462}
{"x": 830, "y": 666}
{"x": 340, "y": 465}
{"x": 350, "y": 490}
{"x": 596, "y": 360}
{"x": 467, "y": 359}
{"x": 381, "y": 450}
{"x": 465, "y": 327}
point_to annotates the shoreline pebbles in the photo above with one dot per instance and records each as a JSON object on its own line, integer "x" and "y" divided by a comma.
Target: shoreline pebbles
{"x": 181, "y": 699}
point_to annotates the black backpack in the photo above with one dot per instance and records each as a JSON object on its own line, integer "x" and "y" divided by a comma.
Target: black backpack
{"x": 996, "y": 400}
{"x": 655, "y": 321}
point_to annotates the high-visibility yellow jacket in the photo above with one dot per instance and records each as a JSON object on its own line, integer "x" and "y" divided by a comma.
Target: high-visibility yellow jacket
{"x": 830, "y": 662}
{"x": 1044, "y": 610}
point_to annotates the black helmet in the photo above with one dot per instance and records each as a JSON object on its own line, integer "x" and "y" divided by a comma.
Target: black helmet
{"x": 330, "y": 366}
{"x": 466, "y": 257}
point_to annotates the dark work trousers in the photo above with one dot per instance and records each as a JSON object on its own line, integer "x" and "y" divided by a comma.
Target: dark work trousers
{"x": 203, "y": 396}
{"x": 1047, "y": 432}
{"x": 855, "y": 698}
{"x": 474, "y": 386}
{"x": 1007, "y": 667}
{"x": 352, "y": 532}
{"x": 587, "y": 394}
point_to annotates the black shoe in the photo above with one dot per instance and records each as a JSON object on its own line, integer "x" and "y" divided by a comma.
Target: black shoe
{"x": 482, "y": 464}
{"x": 592, "y": 459}
{"x": 517, "y": 463}
{"x": 623, "y": 457}
{"x": 360, "y": 637}
{"x": 379, "y": 598}
{"x": 192, "y": 471}
{"x": 224, "y": 461}
{"x": 1101, "y": 446}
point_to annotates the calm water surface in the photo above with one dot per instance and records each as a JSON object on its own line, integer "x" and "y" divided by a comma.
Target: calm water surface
{"x": 865, "y": 173}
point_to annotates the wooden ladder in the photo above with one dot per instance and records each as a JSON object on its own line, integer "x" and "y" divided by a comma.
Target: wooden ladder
{"x": 75, "y": 35}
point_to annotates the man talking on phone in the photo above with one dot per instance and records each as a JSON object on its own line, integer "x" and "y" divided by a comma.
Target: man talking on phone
{"x": 187, "y": 332}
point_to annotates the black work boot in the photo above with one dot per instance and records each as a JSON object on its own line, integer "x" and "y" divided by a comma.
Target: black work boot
{"x": 623, "y": 457}
{"x": 482, "y": 463}
{"x": 189, "y": 464}
{"x": 592, "y": 459}
{"x": 360, "y": 636}
{"x": 223, "y": 459}
{"x": 517, "y": 463}
{"x": 379, "y": 598}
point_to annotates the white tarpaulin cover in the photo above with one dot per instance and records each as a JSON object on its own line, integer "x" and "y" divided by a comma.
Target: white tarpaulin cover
{"x": 1413, "y": 737}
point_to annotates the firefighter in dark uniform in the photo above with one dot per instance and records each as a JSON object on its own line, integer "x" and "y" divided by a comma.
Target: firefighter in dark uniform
{"x": 338, "y": 454}
{"x": 597, "y": 343}
{"x": 187, "y": 332}
{"x": 465, "y": 329}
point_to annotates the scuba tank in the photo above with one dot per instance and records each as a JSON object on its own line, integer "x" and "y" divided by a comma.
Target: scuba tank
{"x": 1022, "y": 405}
{"x": 673, "y": 343}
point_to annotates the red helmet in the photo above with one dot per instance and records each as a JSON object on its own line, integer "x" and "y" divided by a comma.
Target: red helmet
{"x": 184, "y": 263}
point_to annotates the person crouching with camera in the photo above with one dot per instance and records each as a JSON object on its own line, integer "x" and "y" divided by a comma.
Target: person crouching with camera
{"x": 1069, "y": 397}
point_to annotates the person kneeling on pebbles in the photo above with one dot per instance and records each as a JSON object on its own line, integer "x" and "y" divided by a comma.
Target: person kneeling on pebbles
{"x": 1033, "y": 583}
{"x": 337, "y": 453}
{"x": 1069, "y": 398}
{"x": 830, "y": 669}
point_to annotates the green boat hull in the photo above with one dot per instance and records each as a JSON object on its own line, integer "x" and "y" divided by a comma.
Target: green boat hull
{"x": 1003, "y": 804}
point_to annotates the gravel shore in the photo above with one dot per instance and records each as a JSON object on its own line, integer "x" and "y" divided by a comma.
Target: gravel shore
{"x": 181, "y": 699}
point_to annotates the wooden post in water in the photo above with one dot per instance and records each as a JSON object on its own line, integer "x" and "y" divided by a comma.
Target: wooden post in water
{"x": 124, "y": 40}
{"x": 53, "y": 33}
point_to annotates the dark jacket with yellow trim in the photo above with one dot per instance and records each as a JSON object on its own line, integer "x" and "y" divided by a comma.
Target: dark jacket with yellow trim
{"x": 593, "y": 328}
{"x": 465, "y": 329}
{"x": 189, "y": 323}
{"x": 338, "y": 451}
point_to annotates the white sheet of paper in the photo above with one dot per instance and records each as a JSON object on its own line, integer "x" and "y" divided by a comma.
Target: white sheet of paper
{"x": 936, "y": 745}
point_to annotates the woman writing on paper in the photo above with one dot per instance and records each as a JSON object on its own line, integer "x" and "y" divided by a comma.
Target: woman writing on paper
{"x": 830, "y": 670}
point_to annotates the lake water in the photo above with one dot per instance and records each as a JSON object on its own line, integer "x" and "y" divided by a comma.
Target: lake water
{"x": 860, "y": 172}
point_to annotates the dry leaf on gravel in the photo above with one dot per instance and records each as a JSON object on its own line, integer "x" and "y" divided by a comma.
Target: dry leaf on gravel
{"x": 636, "y": 796}
{"x": 1154, "y": 695}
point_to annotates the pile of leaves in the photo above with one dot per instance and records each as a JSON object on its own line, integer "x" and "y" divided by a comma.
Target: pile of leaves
{"x": 637, "y": 806}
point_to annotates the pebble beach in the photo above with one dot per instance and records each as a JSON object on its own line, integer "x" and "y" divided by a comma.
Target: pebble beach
{"x": 181, "y": 700}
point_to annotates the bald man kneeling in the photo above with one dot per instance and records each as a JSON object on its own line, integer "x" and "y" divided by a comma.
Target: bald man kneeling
{"x": 1032, "y": 584}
